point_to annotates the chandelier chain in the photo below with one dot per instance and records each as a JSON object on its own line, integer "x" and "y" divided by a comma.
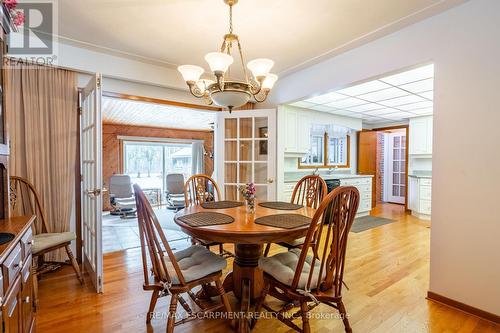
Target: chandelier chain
{"x": 230, "y": 19}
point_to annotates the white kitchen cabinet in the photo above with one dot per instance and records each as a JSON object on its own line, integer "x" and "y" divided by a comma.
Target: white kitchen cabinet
{"x": 419, "y": 197}
{"x": 364, "y": 186}
{"x": 420, "y": 136}
{"x": 297, "y": 128}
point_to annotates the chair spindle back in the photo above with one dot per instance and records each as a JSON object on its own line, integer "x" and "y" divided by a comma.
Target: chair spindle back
{"x": 154, "y": 243}
{"x": 330, "y": 226}
{"x": 199, "y": 189}
{"x": 309, "y": 191}
{"x": 24, "y": 200}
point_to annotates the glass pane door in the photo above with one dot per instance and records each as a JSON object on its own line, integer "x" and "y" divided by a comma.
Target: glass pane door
{"x": 245, "y": 155}
{"x": 397, "y": 167}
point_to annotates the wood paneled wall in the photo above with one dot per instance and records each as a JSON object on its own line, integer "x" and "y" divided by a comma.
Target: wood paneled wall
{"x": 111, "y": 146}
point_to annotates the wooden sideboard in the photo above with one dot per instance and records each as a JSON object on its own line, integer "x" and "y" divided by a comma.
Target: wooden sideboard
{"x": 16, "y": 279}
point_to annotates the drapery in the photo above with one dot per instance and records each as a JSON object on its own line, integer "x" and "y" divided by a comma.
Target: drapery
{"x": 198, "y": 152}
{"x": 42, "y": 120}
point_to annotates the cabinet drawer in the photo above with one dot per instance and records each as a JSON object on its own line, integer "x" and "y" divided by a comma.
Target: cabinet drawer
{"x": 26, "y": 271}
{"x": 27, "y": 242}
{"x": 425, "y": 192}
{"x": 364, "y": 189}
{"x": 425, "y": 206}
{"x": 365, "y": 195}
{"x": 425, "y": 181}
{"x": 12, "y": 266}
{"x": 364, "y": 205}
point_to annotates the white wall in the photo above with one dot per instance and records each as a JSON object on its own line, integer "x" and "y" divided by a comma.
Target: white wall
{"x": 464, "y": 44}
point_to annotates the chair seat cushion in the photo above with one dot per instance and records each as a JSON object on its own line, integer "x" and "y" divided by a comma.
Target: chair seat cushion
{"x": 195, "y": 262}
{"x": 44, "y": 241}
{"x": 282, "y": 267}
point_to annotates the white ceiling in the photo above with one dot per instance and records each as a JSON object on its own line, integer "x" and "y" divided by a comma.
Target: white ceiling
{"x": 388, "y": 99}
{"x": 294, "y": 33}
{"x": 126, "y": 112}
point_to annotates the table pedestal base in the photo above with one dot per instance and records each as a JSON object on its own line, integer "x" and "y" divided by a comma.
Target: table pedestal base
{"x": 245, "y": 281}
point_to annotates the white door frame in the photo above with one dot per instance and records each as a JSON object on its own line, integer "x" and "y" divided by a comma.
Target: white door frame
{"x": 272, "y": 137}
{"x": 91, "y": 183}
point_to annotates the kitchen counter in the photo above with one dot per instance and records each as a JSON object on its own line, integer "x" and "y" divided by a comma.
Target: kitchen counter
{"x": 421, "y": 176}
{"x": 296, "y": 176}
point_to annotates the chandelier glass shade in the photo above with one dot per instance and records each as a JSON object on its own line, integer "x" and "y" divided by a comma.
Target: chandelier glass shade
{"x": 222, "y": 90}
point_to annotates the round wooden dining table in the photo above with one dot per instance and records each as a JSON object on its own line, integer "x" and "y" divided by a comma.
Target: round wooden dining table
{"x": 246, "y": 280}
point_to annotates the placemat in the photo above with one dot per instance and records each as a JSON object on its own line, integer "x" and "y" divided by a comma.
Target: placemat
{"x": 280, "y": 205}
{"x": 221, "y": 204}
{"x": 285, "y": 221}
{"x": 204, "y": 219}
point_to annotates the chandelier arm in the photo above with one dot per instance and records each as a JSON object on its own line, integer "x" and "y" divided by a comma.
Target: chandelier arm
{"x": 265, "y": 93}
{"x": 195, "y": 91}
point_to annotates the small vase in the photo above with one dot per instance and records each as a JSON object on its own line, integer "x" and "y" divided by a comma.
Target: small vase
{"x": 250, "y": 204}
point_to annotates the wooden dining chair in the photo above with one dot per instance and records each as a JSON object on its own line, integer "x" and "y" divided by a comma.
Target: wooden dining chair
{"x": 309, "y": 192}
{"x": 24, "y": 200}
{"x": 169, "y": 273}
{"x": 308, "y": 280}
{"x": 198, "y": 189}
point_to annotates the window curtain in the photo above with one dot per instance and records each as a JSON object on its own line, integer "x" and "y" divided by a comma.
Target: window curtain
{"x": 198, "y": 151}
{"x": 42, "y": 120}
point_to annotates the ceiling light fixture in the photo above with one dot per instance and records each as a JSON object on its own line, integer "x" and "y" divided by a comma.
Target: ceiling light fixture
{"x": 224, "y": 91}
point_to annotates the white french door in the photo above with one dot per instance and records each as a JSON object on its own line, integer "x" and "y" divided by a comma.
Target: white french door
{"x": 396, "y": 164}
{"x": 91, "y": 171}
{"x": 246, "y": 152}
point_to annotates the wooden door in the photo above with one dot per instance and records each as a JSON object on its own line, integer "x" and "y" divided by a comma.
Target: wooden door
{"x": 91, "y": 171}
{"x": 27, "y": 297}
{"x": 246, "y": 152}
{"x": 367, "y": 158}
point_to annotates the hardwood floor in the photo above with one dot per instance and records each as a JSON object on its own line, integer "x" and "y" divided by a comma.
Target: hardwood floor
{"x": 387, "y": 272}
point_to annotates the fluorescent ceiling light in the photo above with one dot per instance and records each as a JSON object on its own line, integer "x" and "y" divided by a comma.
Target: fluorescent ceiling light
{"x": 326, "y": 98}
{"x": 382, "y": 112}
{"x": 428, "y": 94}
{"x": 345, "y": 103}
{"x": 413, "y": 75}
{"x": 302, "y": 104}
{"x": 365, "y": 107}
{"x": 419, "y": 86}
{"x": 416, "y": 106}
{"x": 322, "y": 108}
{"x": 382, "y": 95}
{"x": 364, "y": 88}
{"x": 347, "y": 113}
{"x": 403, "y": 100}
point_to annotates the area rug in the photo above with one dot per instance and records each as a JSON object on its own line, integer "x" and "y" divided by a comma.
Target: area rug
{"x": 369, "y": 222}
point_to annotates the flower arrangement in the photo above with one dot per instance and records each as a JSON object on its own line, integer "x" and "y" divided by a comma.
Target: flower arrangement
{"x": 248, "y": 192}
{"x": 17, "y": 15}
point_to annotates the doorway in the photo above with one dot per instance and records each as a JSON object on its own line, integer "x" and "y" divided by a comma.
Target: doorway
{"x": 383, "y": 153}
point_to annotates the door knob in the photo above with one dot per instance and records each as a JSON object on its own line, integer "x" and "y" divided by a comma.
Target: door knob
{"x": 93, "y": 193}
{"x": 270, "y": 180}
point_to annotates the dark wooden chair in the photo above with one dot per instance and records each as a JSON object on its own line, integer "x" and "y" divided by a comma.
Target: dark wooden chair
{"x": 169, "y": 273}
{"x": 198, "y": 189}
{"x": 309, "y": 191}
{"x": 308, "y": 280}
{"x": 24, "y": 200}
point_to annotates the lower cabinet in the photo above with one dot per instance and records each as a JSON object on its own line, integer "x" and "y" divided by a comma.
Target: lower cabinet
{"x": 363, "y": 184}
{"x": 16, "y": 287}
{"x": 419, "y": 197}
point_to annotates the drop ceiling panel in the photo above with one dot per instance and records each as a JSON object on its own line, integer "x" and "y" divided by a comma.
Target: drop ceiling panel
{"x": 383, "y": 95}
{"x": 391, "y": 98}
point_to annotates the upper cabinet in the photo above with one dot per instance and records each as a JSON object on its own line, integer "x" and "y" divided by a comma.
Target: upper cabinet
{"x": 296, "y": 130}
{"x": 421, "y": 136}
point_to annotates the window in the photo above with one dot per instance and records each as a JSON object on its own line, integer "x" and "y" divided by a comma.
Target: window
{"x": 330, "y": 148}
{"x": 148, "y": 163}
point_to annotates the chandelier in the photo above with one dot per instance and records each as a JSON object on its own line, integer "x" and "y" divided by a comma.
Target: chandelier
{"x": 224, "y": 91}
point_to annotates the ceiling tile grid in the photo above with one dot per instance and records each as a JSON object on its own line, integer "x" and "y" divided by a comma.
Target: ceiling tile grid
{"x": 392, "y": 98}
